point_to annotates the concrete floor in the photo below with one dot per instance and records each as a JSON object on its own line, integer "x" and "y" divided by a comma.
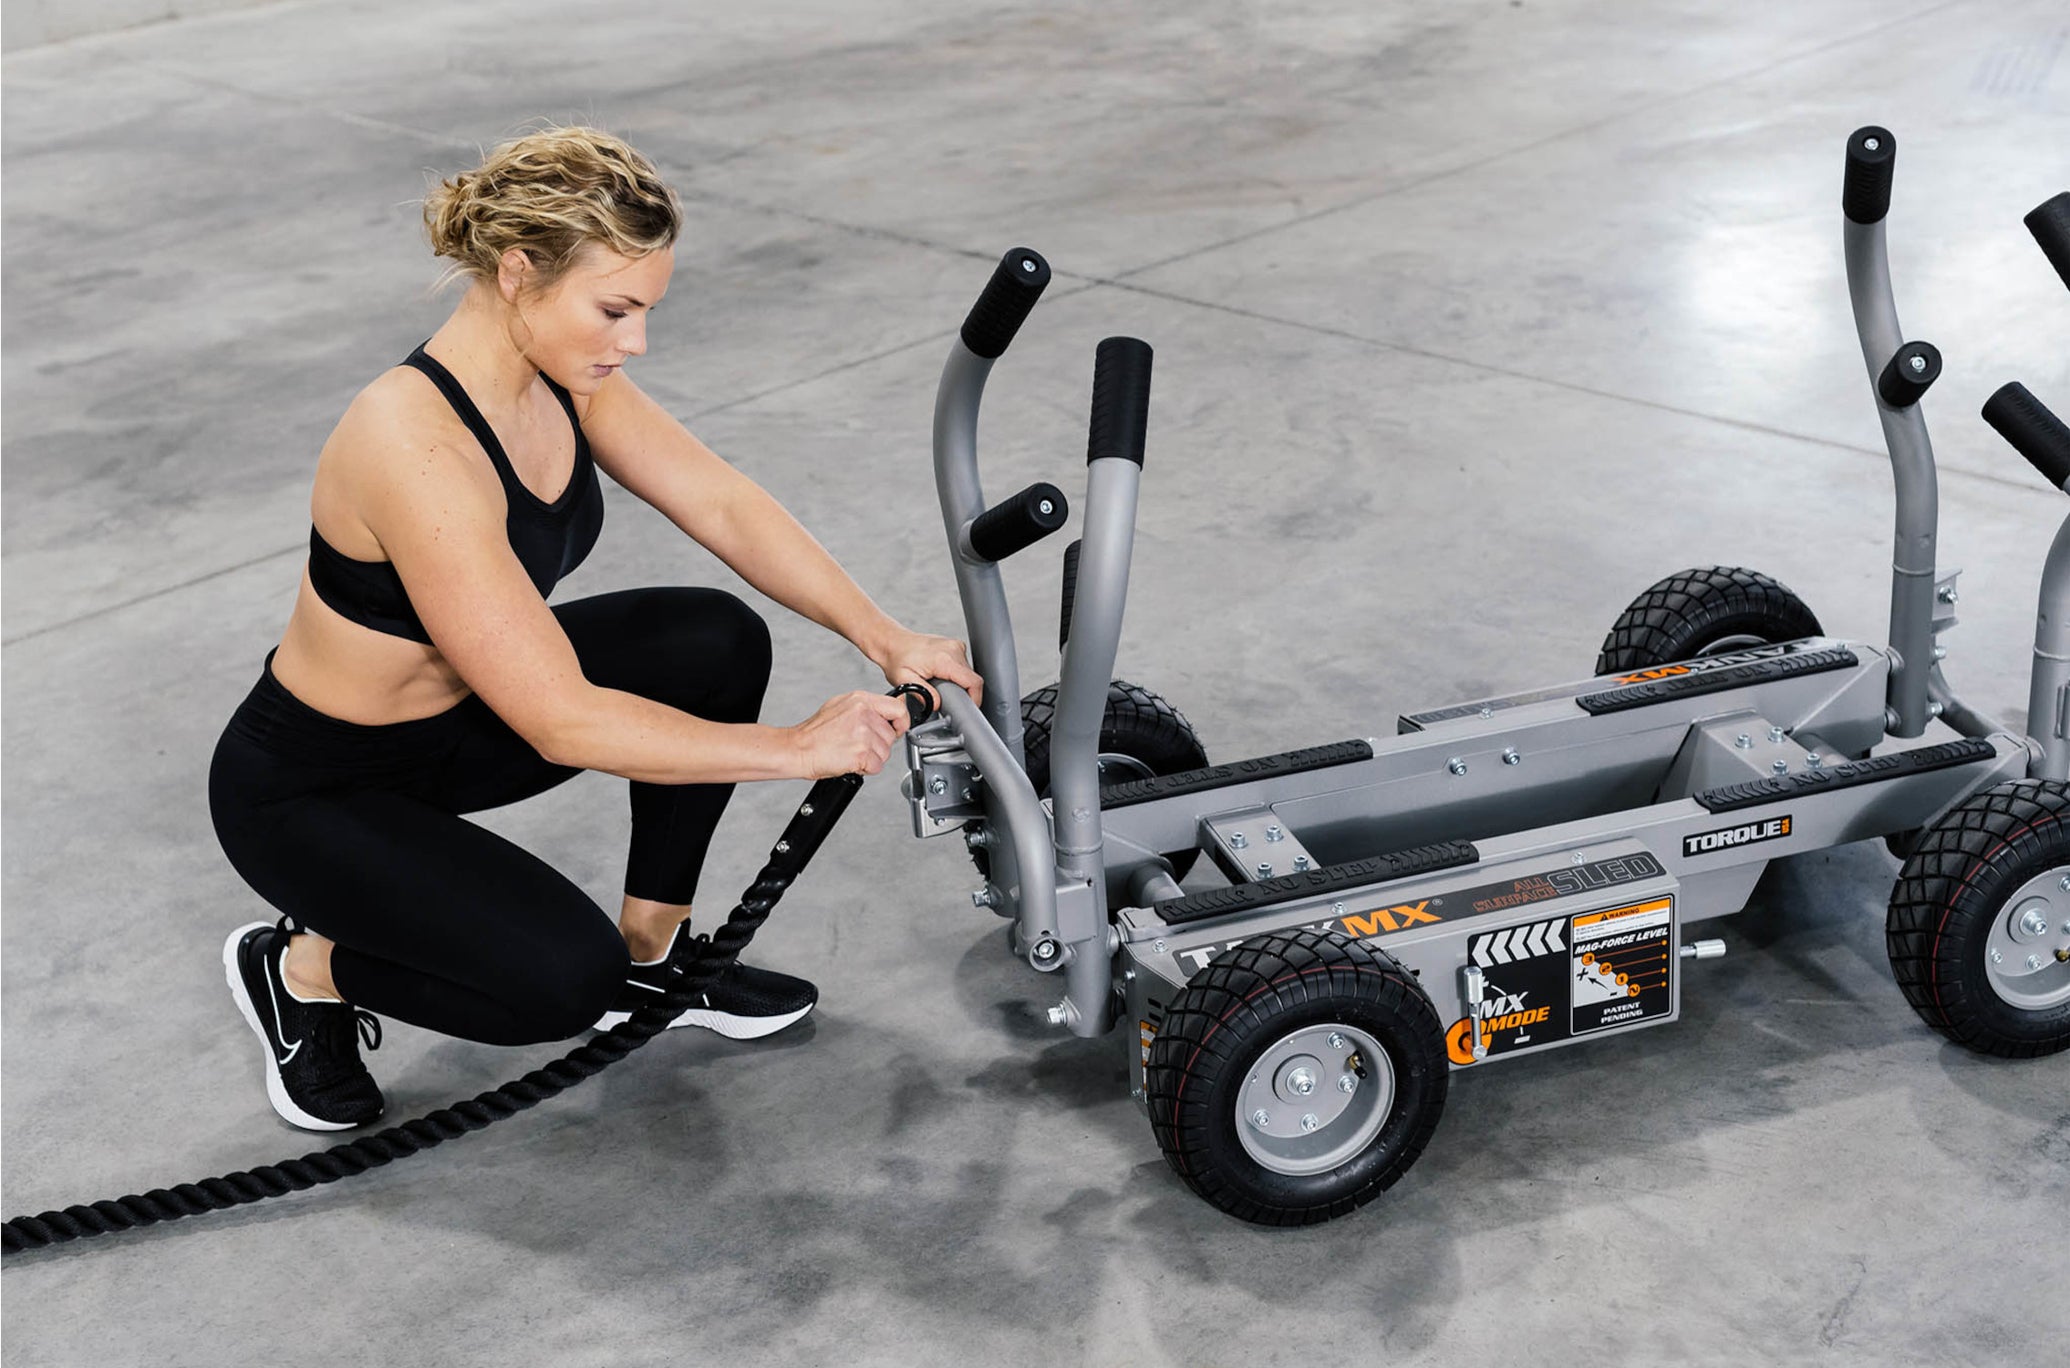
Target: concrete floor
{"x": 1472, "y": 320}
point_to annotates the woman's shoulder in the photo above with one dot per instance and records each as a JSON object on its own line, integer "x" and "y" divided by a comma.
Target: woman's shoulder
{"x": 397, "y": 418}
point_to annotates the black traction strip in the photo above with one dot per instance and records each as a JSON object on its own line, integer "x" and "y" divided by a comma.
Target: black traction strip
{"x": 1242, "y": 771}
{"x": 1755, "y": 792}
{"x": 1716, "y": 681}
{"x": 1399, "y": 864}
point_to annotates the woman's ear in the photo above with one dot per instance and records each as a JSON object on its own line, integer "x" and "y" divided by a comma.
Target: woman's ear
{"x": 513, "y": 272}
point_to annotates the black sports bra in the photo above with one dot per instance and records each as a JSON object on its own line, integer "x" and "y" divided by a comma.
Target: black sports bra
{"x": 550, "y": 539}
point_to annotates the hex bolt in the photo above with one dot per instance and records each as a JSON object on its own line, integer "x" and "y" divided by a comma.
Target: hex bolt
{"x": 2033, "y": 923}
{"x": 1918, "y": 363}
{"x": 1487, "y": 711}
{"x": 1456, "y": 765}
{"x": 1336, "y": 1040}
{"x": 805, "y": 809}
{"x": 1275, "y": 833}
{"x": 2033, "y": 961}
{"x": 2064, "y": 883}
{"x": 1775, "y": 733}
{"x": 1743, "y": 741}
{"x": 1309, "y": 1121}
{"x": 1045, "y": 949}
{"x": 1261, "y": 1118}
{"x": 1337, "y": 908}
{"x": 1301, "y": 1082}
{"x": 937, "y": 786}
{"x": 1781, "y": 767}
{"x": 783, "y": 847}
{"x": 1347, "y": 1083}
{"x": 1510, "y": 756}
{"x": 1300, "y": 863}
{"x": 1046, "y": 507}
{"x": 1940, "y": 653}
{"x": 1997, "y": 955}
{"x": 1815, "y": 760}
{"x": 1060, "y": 1015}
{"x": 982, "y": 897}
{"x": 1946, "y": 594}
{"x": 1935, "y": 708}
{"x": 1158, "y": 946}
{"x": 1264, "y": 869}
{"x": 1237, "y": 840}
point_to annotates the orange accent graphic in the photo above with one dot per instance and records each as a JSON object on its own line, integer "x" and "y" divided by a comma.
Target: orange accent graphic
{"x": 1661, "y": 672}
{"x": 1383, "y": 919}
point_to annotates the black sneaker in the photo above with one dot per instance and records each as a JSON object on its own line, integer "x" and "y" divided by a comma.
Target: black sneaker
{"x": 745, "y": 1003}
{"x": 314, "y": 1076}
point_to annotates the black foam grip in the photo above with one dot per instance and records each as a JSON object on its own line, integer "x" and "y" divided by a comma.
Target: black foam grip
{"x": 2050, "y": 223}
{"x": 1871, "y": 153}
{"x": 2034, "y": 432}
{"x": 1121, "y": 400}
{"x": 1909, "y": 374}
{"x": 1011, "y": 292}
{"x": 1019, "y": 522}
{"x": 1070, "y": 592}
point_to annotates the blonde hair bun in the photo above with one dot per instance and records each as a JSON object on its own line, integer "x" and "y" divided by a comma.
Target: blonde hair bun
{"x": 550, "y": 193}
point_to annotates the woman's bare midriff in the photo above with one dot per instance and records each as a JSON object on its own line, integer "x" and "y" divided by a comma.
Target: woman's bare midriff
{"x": 357, "y": 674}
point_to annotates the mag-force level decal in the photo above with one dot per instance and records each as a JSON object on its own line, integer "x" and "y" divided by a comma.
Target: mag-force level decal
{"x": 1548, "y": 981}
{"x": 1623, "y": 963}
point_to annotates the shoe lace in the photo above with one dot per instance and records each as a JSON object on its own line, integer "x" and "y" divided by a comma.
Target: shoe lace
{"x": 336, "y": 1030}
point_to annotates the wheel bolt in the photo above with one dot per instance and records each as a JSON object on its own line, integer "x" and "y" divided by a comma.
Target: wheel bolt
{"x": 1336, "y": 1041}
{"x": 1781, "y": 767}
{"x": 1997, "y": 955}
{"x": 2034, "y": 924}
{"x": 1743, "y": 741}
{"x": 1310, "y": 1121}
{"x": 1347, "y": 1083}
{"x": 1261, "y": 1118}
{"x": 1301, "y": 1082}
{"x": 2033, "y": 961}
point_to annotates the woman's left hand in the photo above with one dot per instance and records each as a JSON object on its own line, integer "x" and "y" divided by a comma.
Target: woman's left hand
{"x": 916, "y": 658}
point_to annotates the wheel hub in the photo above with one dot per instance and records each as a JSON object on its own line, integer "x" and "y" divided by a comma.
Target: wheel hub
{"x": 2027, "y": 955}
{"x": 1314, "y": 1098}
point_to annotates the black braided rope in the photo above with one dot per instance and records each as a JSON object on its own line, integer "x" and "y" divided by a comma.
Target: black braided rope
{"x": 801, "y": 839}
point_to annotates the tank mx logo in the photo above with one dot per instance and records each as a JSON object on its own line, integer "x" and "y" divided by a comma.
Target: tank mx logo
{"x": 1710, "y": 842}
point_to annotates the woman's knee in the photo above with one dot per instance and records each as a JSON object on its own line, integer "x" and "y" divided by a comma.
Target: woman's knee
{"x": 723, "y": 656}
{"x": 579, "y": 984}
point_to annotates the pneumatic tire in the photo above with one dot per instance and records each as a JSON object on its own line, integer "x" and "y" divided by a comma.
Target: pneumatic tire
{"x": 1705, "y": 611}
{"x": 1979, "y": 925}
{"x": 1231, "y": 1110}
{"x": 1141, "y": 737}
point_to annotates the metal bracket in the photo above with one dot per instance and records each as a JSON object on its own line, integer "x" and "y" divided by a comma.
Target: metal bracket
{"x": 1253, "y": 843}
{"x": 1944, "y": 598}
{"x": 943, "y": 786}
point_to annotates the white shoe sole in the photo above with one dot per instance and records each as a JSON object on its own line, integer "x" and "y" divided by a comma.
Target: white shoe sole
{"x": 276, "y": 1091}
{"x": 725, "y": 1023}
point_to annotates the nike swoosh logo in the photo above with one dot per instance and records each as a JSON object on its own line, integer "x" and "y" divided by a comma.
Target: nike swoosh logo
{"x": 277, "y": 1026}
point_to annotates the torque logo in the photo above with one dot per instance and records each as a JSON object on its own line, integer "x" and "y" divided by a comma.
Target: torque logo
{"x": 1707, "y": 842}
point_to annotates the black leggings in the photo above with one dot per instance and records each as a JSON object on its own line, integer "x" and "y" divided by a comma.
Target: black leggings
{"x": 354, "y": 831}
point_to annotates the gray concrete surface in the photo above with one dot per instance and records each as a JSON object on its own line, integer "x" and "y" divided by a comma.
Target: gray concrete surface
{"x": 1471, "y": 321}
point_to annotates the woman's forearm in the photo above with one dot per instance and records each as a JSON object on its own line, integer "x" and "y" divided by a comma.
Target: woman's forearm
{"x": 622, "y": 733}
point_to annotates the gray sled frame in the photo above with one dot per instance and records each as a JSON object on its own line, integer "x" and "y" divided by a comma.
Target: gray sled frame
{"x": 1668, "y": 790}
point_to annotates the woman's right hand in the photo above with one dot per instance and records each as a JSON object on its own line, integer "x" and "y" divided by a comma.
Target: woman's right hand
{"x": 852, "y": 733}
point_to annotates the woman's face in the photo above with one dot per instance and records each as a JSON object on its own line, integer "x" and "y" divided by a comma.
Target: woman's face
{"x": 595, "y": 316}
